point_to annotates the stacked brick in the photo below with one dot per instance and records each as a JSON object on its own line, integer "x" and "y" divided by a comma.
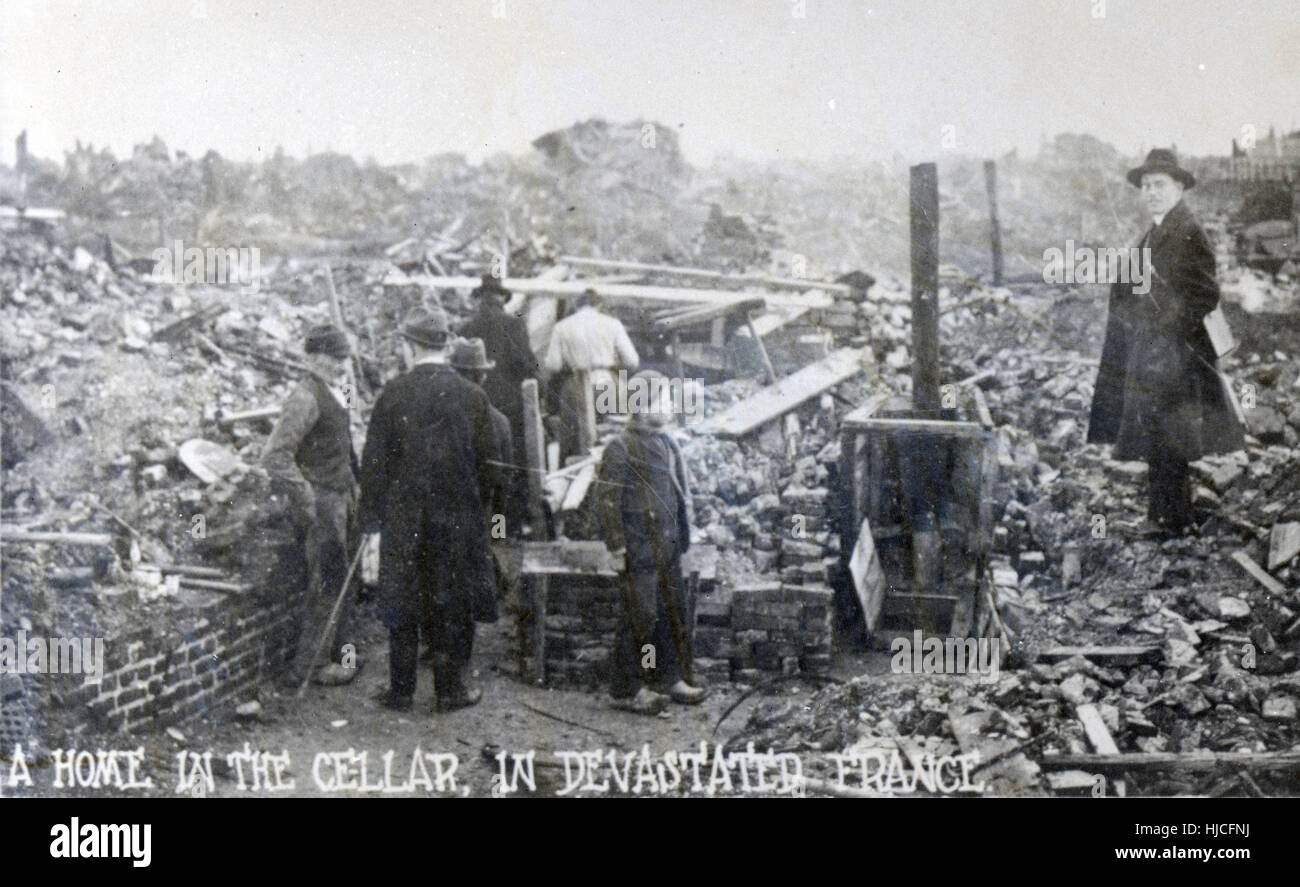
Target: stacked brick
{"x": 777, "y": 627}
{"x": 581, "y": 619}
{"x": 157, "y": 679}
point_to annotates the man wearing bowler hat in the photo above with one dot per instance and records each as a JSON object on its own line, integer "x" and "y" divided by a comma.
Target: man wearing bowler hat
{"x": 1159, "y": 397}
{"x": 428, "y": 468}
{"x": 310, "y": 459}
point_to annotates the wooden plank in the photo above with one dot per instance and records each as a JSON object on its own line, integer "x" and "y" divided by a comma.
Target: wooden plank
{"x": 762, "y": 349}
{"x": 630, "y": 292}
{"x": 787, "y": 394}
{"x": 982, "y": 407}
{"x": 1095, "y": 728}
{"x": 915, "y": 426}
{"x": 705, "y": 274}
{"x": 1181, "y": 762}
{"x": 866, "y": 411}
{"x": 706, "y": 314}
{"x": 533, "y": 588}
{"x": 212, "y": 585}
{"x": 1104, "y": 655}
{"x": 567, "y": 557}
{"x": 924, "y": 198}
{"x": 13, "y": 534}
{"x": 578, "y": 489}
{"x": 1257, "y": 573}
{"x": 766, "y": 324}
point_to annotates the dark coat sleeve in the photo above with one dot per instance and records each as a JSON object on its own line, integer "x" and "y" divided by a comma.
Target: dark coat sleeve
{"x": 523, "y": 359}
{"x": 375, "y": 465}
{"x": 1108, "y": 393}
{"x": 1193, "y": 279}
{"x": 611, "y": 481}
{"x": 487, "y": 456}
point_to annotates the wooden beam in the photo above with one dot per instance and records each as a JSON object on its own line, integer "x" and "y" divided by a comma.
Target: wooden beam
{"x": 707, "y": 313}
{"x": 817, "y": 298}
{"x": 704, "y": 274}
{"x": 578, "y": 488}
{"x": 787, "y": 394}
{"x": 11, "y": 535}
{"x": 1114, "y": 655}
{"x": 225, "y": 420}
{"x": 915, "y": 426}
{"x": 924, "y": 191}
{"x": 534, "y": 588}
{"x": 1182, "y": 762}
{"x": 1257, "y": 573}
{"x": 991, "y": 187}
{"x": 567, "y": 557}
{"x": 1095, "y": 728}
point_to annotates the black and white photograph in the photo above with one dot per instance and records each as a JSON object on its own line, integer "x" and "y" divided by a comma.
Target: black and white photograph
{"x": 782, "y": 399}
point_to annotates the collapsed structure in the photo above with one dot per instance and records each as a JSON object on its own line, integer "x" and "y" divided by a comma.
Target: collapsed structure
{"x": 857, "y": 476}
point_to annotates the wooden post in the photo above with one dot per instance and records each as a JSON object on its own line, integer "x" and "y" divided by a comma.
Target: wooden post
{"x": 533, "y": 588}
{"x": 762, "y": 349}
{"x": 991, "y": 185}
{"x": 925, "y": 290}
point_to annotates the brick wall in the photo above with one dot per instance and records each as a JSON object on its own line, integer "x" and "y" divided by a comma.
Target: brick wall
{"x": 215, "y": 654}
{"x": 744, "y": 633}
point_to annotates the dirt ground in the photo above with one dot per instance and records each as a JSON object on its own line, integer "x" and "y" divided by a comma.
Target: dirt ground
{"x": 513, "y": 716}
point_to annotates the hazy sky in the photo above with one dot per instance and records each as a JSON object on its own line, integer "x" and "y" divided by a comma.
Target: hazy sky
{"x": 402, "y": 79}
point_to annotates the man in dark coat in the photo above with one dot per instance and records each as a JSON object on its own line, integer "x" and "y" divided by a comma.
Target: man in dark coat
{"x": 1159, "y": 397}
{"x": 645, "y": 509}
{"x": 310, "y": 460}
{"x": 428, "y": 466}
{"x": 505, "y": 339}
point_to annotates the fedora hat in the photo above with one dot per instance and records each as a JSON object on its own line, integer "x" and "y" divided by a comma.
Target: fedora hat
{"x": 470, "y": 354}
{"x": 427, "y": 328}
{"x": 326, "y": 338}
{"x": 1161, "y": 160}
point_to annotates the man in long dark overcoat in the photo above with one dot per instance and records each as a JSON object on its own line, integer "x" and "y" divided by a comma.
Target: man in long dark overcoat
{"x": 1159, "y": 396}
{"x": 505, "y": 339}
{"x": 428, "y": 467}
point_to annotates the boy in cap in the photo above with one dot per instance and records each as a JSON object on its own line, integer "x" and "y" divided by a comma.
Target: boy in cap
{"x": 645, "y": 509}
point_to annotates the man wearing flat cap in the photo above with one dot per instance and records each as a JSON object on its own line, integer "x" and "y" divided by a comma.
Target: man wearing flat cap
{"x": 1159, "y": 397}
{"x": 428, "y": 468}
{"x": 309, "y": 457}
{"x": 644, "y": 503}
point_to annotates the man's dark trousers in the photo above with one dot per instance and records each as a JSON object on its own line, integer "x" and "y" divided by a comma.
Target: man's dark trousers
{"x": 656, "y": 609}
{"x": 445, "y": 619}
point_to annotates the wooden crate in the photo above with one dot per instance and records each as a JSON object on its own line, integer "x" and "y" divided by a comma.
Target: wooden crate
{"x": 925, "y": 488}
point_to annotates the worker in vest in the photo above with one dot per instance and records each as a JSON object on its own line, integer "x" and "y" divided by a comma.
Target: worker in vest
{"x": 310, "y": 459}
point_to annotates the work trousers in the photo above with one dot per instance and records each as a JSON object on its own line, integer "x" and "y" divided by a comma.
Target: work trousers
{"x": 656, "y": 610}
{"x": 329, "y": 542}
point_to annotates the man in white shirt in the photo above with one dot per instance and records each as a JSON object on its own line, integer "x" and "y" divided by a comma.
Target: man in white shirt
{"x": 590, "y": 347}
